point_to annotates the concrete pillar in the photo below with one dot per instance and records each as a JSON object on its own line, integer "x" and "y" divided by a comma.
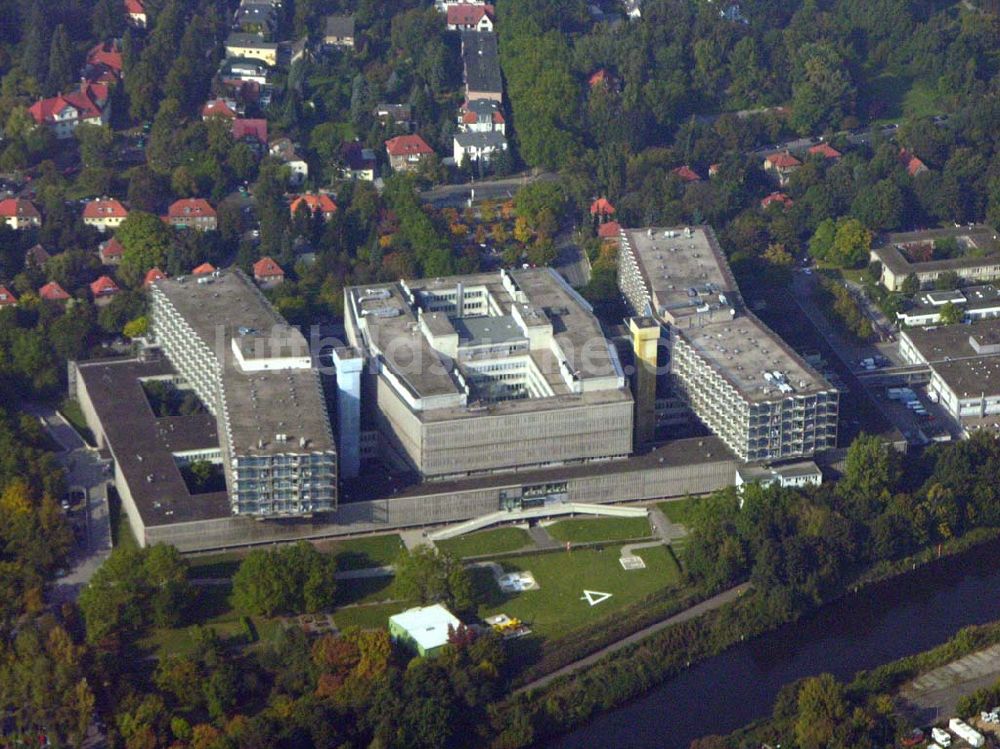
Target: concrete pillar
{"x": 349, "y": 363}
{"x": 645, "y": 335}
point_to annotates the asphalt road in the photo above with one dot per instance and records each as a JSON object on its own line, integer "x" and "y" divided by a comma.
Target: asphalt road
{"x": 86, "y": 472}
{"x": 457, "y": 196}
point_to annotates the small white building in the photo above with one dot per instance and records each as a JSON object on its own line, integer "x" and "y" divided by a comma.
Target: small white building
{"x": 794, "y": 475}
{"x": 284, "y": 150}
{"x": 478, "y": 146}
{"x": 425, "y": 628}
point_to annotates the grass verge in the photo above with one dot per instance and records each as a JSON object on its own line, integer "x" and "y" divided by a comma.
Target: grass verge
{"x": 593, "y": 530}
{"x": 482, "y": 543}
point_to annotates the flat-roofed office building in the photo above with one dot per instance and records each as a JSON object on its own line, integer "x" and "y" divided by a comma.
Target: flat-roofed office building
{"x": 737, "y": 376}
{"x": 489, "y": 372}
{"x": 255, "y": 374}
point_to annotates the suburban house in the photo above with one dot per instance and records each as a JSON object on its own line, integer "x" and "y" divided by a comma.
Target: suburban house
{"x": 400, "y": 115}
{"x": 205, "y": 269}
{"x": 481, "y": 116}
{"x": 226, "y": 108}
{"x": 192, "y": 213}
{"x": 686, "y": 174}
{"x": 19, "y": 213}
{"x": 102, "y": 290}
{"x": 244, "y": 70}
{"x": 825, "y": 150}
{"x": 256, "y": 18}
{"x": 609, "y": 230}
{"x": 267, "y": 273}
{"x": 602, "y": 208}
{"x": 253, "y": 132}
{"x": 441, "y": 6}
{"x": 103, "y": 63}
{"x": 320, "y": 203}
{"x": 911, "y": 163}
{"x": 284, "y": 150}
{"x": 481, "y": 63}
{"x": 7, "y": 299}
{"x": 104, "y": 214}
{"x": 781, "y": 166}
{"x": 152, "y": 276}
{"x": 406, "y": 152}
{"x": 135, "y": 11}
{"x": 633, "y": 8}
{"x": 251, "y": 46}
{"x": 776, "y": 198}
{"x": 53, "y": 292}
{"x": 478, "y": 146}
{"x": 338, "y": 31}
{"x": 110, "y": 251}
{"x": 470, "y": 17}
{"x": 36, "y": 257}
{"x": 359, "y": 162}
{"x": 90, "y": 103}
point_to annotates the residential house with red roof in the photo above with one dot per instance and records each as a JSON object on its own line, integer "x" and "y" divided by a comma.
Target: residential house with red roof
{"x": 267, "y": 273}
{"x": 152, "y": 276}
{"x": 470, "y": 17}
{"x": 407, "y": 152}
{"x": 687, "y": 174}
{"x": 135, "y": 11}
{"x": 253, "y": 132}
{"x": 103, "y": 289}
{"x": 826, "y": 151}
{"x": 481, "y": 116}
{"x": 781, "y": 166}
{"x": 192, "y": 213}
{"x": 316, "y": 202}
{"x": 203, "y": 270}
{"x": 53, "y": 292}
{"x": 104, "y": 214}
{"x": 104, "y": 63}
{"x": 19, "y": 213}
{"x": 601, "y": 207}
{"x": 609, "y": 230}
{"x": 911, "y": 163}
{"x": 7, "y": 299}
{"x": 36, "y": 257}
{"x": 111, "y": 251}
{"x": 778, "y": 198}
{"x": 225, "y": 108}
{"x": 90, "y": 104}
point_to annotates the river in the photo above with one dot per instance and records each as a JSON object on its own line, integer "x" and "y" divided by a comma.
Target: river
{"x": 881, "y": 623}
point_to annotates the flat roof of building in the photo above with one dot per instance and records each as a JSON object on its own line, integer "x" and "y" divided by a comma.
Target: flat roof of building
{"x": 941, "y": 343}
{"x": 970, "y": 298}
{"x": 261, "y": 405}
{"x": 972, "y": 377}
{"x": 427, "y": 625}
{"x": 143, "y": 444}
{"x": 693, "y": 288}
{"x": 482, "y": 61}
{"x": 393, "y": 330}
{"x": 978, "y": 239}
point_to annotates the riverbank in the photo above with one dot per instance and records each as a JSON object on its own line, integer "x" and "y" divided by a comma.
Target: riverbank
{"x": 625, "y": 676}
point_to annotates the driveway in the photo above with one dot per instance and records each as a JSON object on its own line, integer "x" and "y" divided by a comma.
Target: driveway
{"x": 86, "y": 471}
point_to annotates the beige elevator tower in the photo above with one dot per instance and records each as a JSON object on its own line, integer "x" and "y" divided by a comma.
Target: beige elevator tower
{"x": 645, "y": 335}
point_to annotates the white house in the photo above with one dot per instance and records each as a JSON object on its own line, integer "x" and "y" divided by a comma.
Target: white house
{"x": 478, "y": 146}
{"x": 284, "y": 149}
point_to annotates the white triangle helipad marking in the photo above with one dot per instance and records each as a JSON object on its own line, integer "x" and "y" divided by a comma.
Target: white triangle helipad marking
{"x": 594, "y": 597}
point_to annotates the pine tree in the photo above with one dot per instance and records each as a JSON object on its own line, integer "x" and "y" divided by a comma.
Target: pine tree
{"x": 108, "y": 19}
{"x": 33, "y": 57}
{"x": 61, "y": 69}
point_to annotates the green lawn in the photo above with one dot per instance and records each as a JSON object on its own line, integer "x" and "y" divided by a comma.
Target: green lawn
{"x": 679, "y": 510}
{"x": 366, "y": 590}
{"x": 210, "y": 609}
{"x": 74, "y": 415}
{"x": 584, "y": 530}
{"x": 893, "y": 96}
{"x": 368, "y": 617}
{"x": 557, "y": 607}
{"x": 494, "y": 541}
